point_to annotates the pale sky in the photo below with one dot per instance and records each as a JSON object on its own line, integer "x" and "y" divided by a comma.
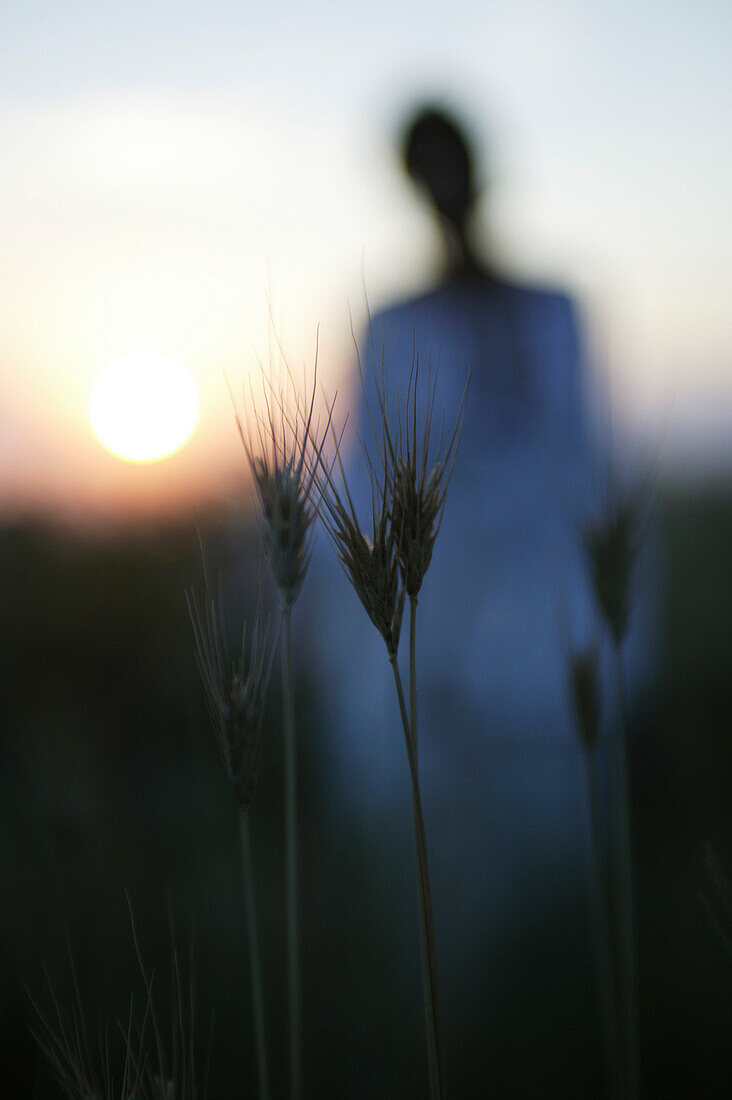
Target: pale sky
{"x": 167, "y": 168}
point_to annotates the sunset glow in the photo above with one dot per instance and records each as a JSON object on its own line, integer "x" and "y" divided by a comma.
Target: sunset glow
{"x": 159, "y": 195}
{"x": 144, "y": 406}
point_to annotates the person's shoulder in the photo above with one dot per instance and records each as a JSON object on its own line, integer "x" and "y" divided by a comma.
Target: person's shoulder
{"x": 539, "y": 295}
{"x": 406, "y": 309}
{"x": 546, "y": 314}
{"x": 403, "y": 326}
{"x": 538, "y": 308}
{"x": 542, "y": 297}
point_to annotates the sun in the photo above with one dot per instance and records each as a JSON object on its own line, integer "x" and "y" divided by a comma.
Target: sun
{"x": 143, "y": 406}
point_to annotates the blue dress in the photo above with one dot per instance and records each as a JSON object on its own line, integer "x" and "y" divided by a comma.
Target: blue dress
{"x": 506, "y": 594}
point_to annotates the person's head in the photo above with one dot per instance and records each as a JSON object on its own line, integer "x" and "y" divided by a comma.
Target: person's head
{"x": 438, "y": 157}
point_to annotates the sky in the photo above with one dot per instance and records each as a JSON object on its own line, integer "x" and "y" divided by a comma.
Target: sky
{"x": 179, "y": 177}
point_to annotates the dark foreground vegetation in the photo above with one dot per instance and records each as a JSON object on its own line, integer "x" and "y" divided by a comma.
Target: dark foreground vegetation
{"x": 110, "y": 782}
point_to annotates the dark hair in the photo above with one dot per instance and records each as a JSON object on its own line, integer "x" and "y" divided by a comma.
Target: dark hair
{"x": 438, "y": 156}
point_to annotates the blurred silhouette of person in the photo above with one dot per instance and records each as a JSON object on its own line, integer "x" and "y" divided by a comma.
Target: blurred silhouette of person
{"x": 506, "y": 592}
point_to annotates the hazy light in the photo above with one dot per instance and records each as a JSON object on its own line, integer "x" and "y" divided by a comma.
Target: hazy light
{"x": 143, "y": 406}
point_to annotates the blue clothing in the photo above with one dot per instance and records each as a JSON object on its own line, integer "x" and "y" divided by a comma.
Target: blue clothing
{"x": 506, "y": 593}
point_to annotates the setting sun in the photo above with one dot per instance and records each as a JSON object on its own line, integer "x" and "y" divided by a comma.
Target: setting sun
{"x": 143, "y": 406}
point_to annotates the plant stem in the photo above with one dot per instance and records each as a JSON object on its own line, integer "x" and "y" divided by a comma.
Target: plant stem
{"x": 426, "y": 921}
{"x": 291, "y": 876}
{"x": 421, "y": 839}
{"x": 604, "y": 966}
{"x": 413, "y": 672}
{"x": 624, "y": 885}
{"x": 256, "y": 973}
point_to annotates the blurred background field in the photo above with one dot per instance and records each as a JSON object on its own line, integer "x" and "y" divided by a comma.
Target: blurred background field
{"x": 111, "y": 783}
{"x": 184, "y": 179}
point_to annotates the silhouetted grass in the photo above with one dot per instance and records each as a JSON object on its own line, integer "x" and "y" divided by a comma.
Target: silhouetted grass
{"x": 108, "y": 783}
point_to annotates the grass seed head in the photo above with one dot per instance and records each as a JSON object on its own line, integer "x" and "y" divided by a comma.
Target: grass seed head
{"x": 235, "y": 691}
{"x": 372, "y": 565}
{"x": 417, "y": 473}
{"x": 287, "y": 519}
{"x": 416, "y": 512}
{"x": 86, "y": 1066}
{"x": 284, "y": 467}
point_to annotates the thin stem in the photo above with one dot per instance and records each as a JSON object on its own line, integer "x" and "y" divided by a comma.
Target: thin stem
{"x": 291, "y": 876}
{"x": 413, "y": 672}
{"x": 624, "y": 885}
{"x": 400, "y": 697}
{"x": 426, "y": 921}
{"x": 600, "y": 905}
{"x": 254, "y": 965}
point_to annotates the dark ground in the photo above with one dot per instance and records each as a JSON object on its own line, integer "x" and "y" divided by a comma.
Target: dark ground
{"x": 110, "y": 781}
